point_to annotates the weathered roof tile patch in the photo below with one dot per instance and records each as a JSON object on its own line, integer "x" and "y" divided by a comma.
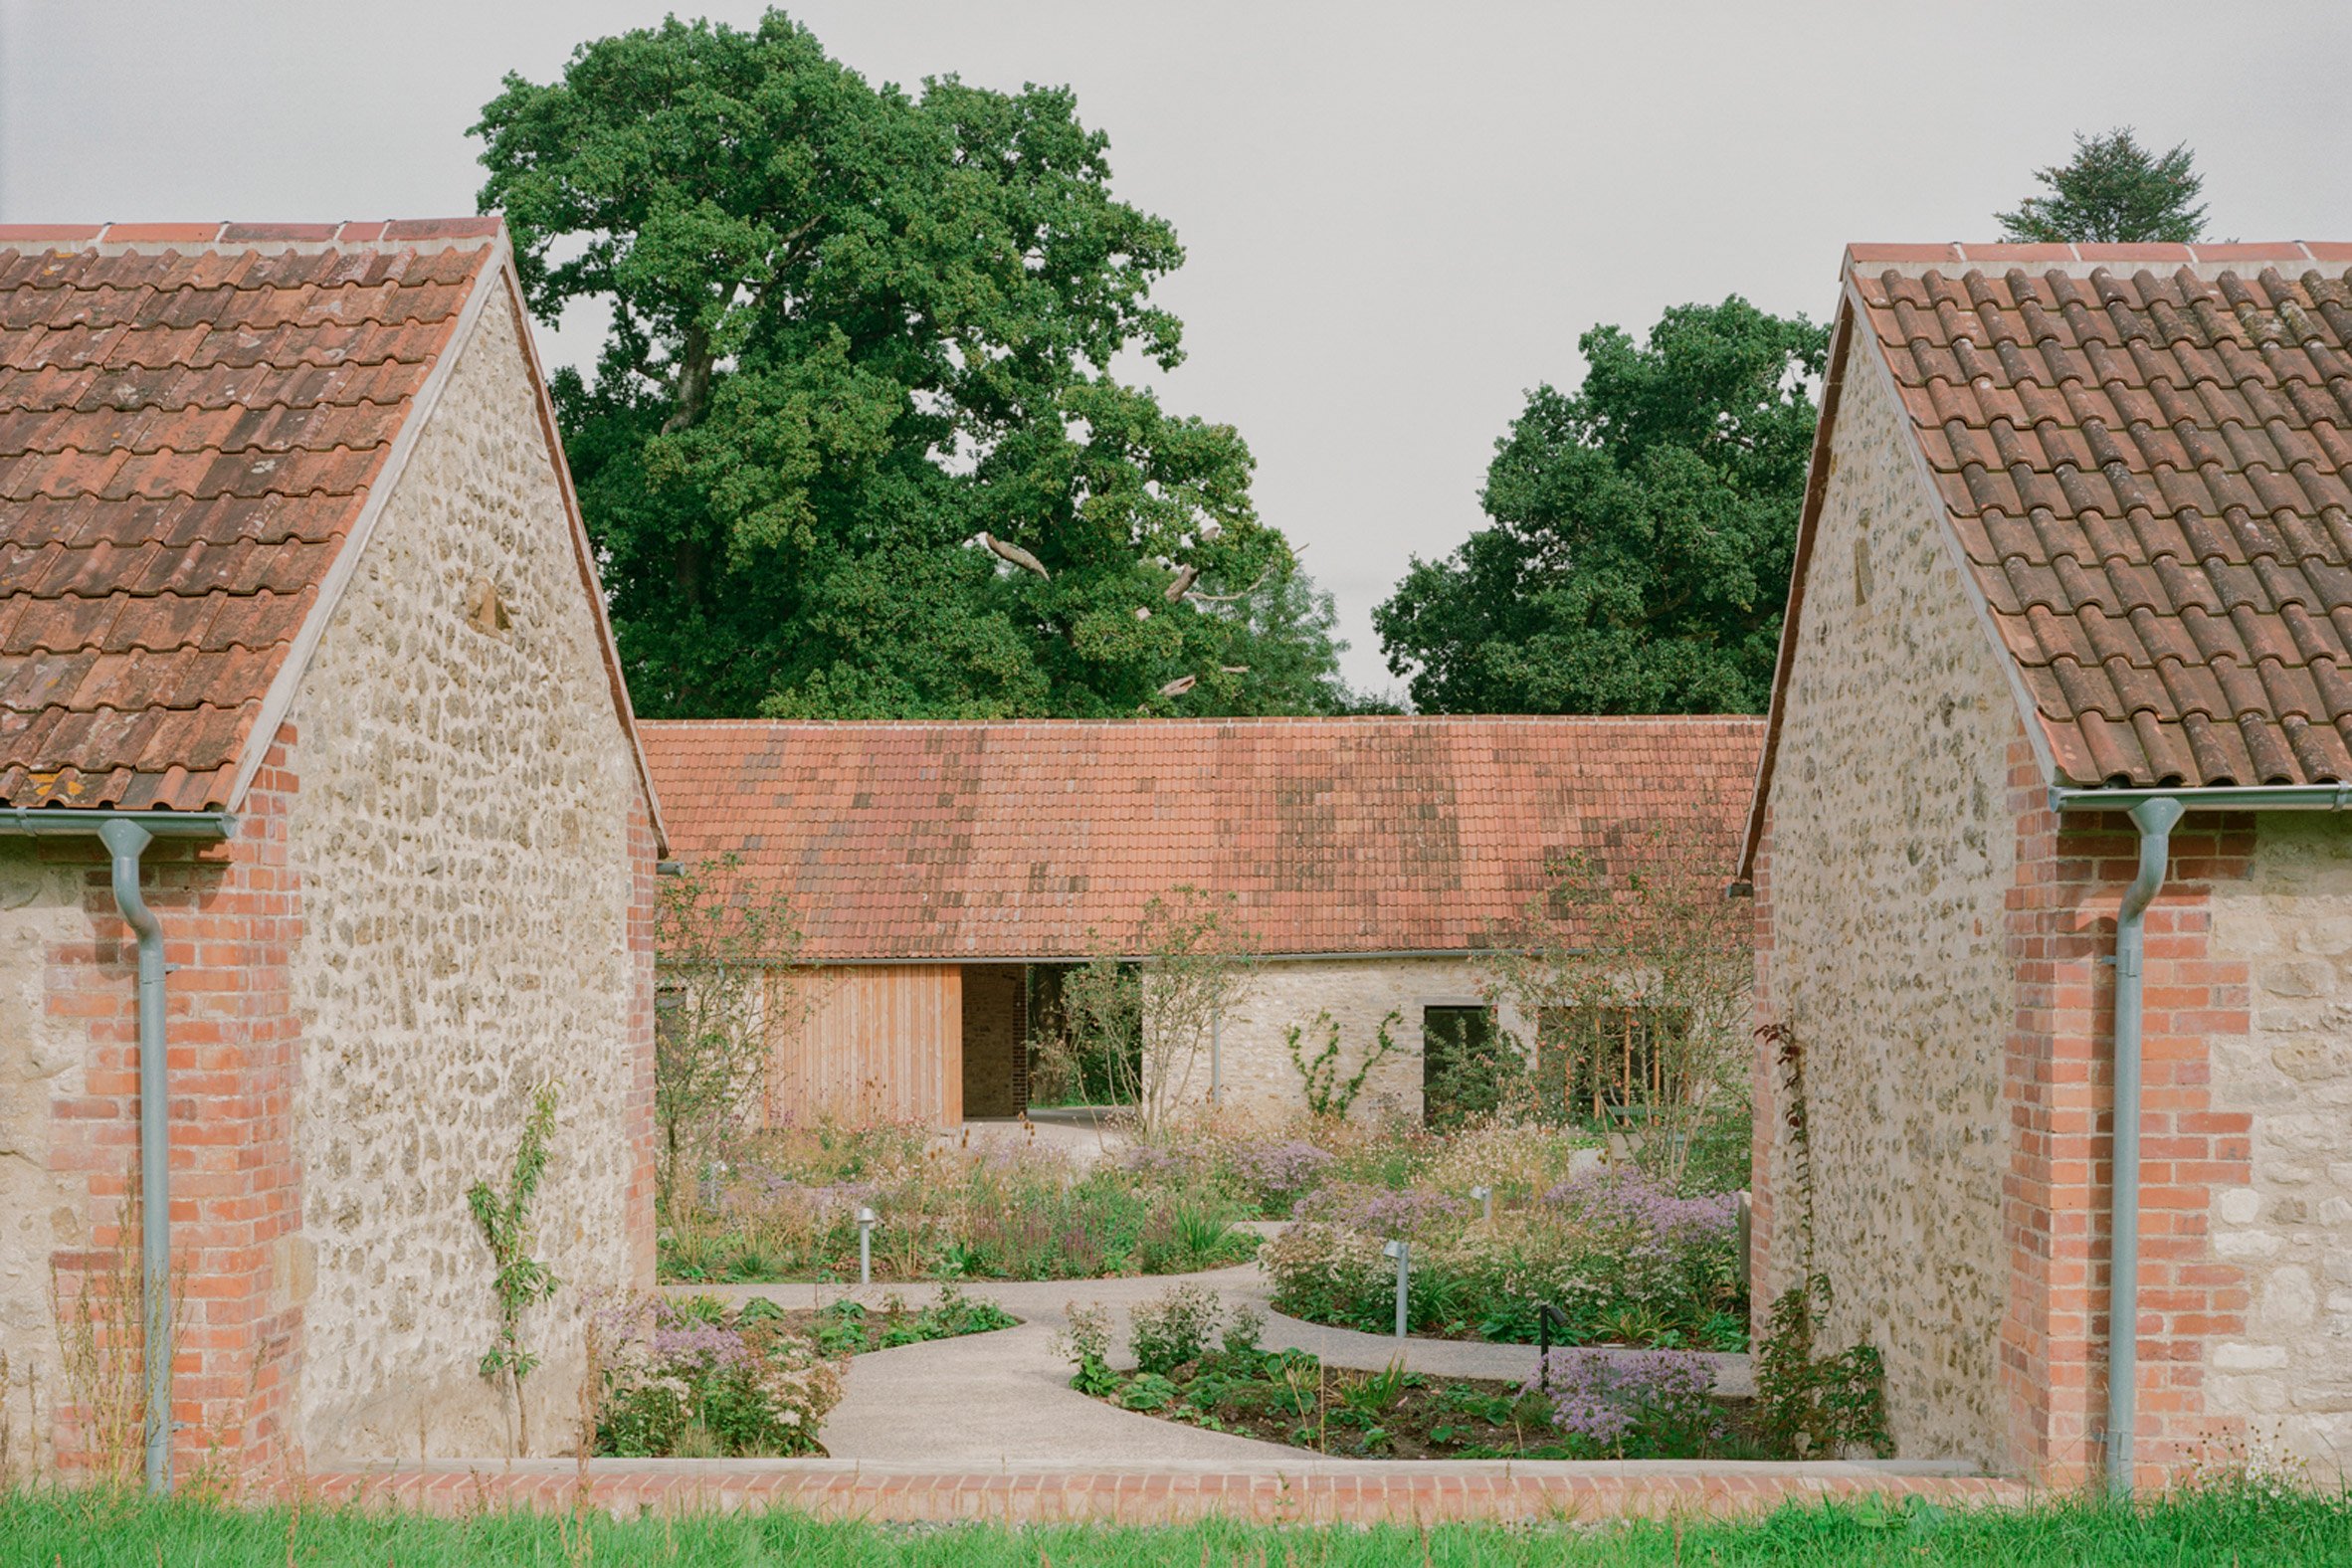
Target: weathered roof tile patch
{"x": 1044, "y": 839}
{"x": 2146, "y": 453}
{"x": 191, "y": 419}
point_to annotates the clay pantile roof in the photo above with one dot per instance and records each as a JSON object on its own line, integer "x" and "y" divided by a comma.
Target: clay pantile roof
{"x": 2146, "y": 455}
{"x": 192, "y": 419}
{"x": 1017, "y": 840}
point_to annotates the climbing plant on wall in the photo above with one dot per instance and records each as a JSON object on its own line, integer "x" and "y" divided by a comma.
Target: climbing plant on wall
{"x": 520, "y": 1278}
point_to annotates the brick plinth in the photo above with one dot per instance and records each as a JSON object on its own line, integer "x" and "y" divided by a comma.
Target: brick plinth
{"x": 1398, "y": 1493}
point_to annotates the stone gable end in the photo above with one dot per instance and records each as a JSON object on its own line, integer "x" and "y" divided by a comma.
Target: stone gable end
{"x": 465, "y": 828}
{"x": 1881, "y": 945}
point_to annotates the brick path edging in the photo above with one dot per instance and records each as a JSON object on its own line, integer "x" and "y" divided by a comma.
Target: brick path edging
{"x": 1395, "y": 1492}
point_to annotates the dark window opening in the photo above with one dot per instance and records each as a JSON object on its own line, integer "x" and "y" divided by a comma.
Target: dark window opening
{"x": 1462, "y": 1065}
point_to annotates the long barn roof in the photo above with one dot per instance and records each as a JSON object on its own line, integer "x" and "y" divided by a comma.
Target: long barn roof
{"x": 1044, "y": 838}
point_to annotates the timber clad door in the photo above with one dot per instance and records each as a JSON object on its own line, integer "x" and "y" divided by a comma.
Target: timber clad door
{"x": 870, "y": 1043}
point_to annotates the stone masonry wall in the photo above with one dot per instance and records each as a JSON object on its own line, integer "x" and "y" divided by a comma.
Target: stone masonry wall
{"x": 464, "y": 833}
{"x": 2287, "y": 1370}
{"x": 1881, "y": 948}
{"x": 1256, "y": 1071}
{"x": 42, "y": 1059}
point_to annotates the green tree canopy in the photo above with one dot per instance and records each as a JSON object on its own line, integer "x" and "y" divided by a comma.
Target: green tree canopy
{"x": 853, "y": 446}
{"x": 2114, "y": 192}
{"x": 1643, "y": 528}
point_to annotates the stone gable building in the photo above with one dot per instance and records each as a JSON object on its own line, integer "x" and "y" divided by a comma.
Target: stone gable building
{"x": 944, "y": 874}
{"x": 324, "y": 839}
{"x": 2054, "y": 886}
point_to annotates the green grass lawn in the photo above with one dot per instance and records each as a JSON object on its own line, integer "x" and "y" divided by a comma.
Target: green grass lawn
{"x": 2232, "y": 1525}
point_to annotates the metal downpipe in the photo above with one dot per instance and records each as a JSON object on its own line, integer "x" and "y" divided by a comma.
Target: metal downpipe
{"x": 2154, "y": 819}
{"x": 126, "y": 842}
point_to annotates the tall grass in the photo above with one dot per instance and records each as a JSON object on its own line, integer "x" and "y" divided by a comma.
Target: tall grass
{"x": 2250, "y": 1525}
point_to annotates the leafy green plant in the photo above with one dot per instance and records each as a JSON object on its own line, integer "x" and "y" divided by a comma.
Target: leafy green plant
{"x": 787, "y": 1202}
{"x": 1376, "y": 1394}
{"x": 1625, "y": 1262}
{"x": 1086, "y": 1340}
{"x": 1327, "y": 1094}
{"x": 847, "y": 1328}
{"x": 690, "y": 1379}
{"x": 1148, "y": 1391}
{"x": 1242, "y": 1333}
{"x": 1812, "y": 1406}
{"x": 520, "y": 1278}
{"x": 1174, "y": 1328}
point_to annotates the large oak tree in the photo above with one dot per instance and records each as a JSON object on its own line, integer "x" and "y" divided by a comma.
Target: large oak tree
{"x": 853, "y": 446}
{"x": 1643, "y": 528}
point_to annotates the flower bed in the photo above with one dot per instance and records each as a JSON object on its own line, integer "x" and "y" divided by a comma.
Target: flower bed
{"x": 847, "y": 1328}
{"x": 1626, "y": 1264}
{"x": 696, "y": 1379}
{"x": 690, "y": 1380}
{"x": 1276, "y": 1166}
{"x": 1197, "y": 1366}
{"x": 786, "y": 1207}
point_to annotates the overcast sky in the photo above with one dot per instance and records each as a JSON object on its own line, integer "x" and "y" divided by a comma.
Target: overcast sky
{"x": 1399, "y": 218}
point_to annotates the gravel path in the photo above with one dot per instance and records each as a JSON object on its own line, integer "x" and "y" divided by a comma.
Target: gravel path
{"x": 1004, "y": 1398}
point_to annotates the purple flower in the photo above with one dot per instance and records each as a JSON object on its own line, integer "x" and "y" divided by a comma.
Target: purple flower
{"x": 1278, "y": 1168}
{"x": 1379, "y": 1210}
{"x": 1600, "y": 1396}
{"x": 1626, "y": 1201}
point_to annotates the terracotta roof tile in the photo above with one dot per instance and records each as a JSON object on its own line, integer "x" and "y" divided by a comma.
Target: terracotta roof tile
{"x": 2146, "y": 453}
{"x": 1017, "y": 840}
{"x": 191, "y": 417}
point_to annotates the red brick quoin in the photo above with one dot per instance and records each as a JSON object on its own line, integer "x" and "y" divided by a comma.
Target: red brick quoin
{"x": 231, "y": 915}
{"x": 2058, "y": 1121}
{"x": 2059, "y": 1098}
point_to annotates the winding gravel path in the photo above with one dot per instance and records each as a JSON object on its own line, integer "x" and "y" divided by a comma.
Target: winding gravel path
{"x": 1004, "y": 1398}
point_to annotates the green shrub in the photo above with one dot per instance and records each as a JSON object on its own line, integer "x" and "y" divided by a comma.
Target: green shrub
{"x": 1086, "y": 1340}
{"x": 1817, "y": 1407}
{"x": 1174, "y": 1328}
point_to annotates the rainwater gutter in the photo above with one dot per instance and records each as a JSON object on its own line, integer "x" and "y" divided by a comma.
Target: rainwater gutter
{"x": 126, "y": 835}
{"x": 2153, "y": 812}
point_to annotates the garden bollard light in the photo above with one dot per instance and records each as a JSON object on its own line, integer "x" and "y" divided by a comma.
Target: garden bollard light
{"x": 1485, "y": 1197}
{"x": 1546, "y": 1316}
{"x": 864, "y": 1245}
{"x": 1402, "y": 1251}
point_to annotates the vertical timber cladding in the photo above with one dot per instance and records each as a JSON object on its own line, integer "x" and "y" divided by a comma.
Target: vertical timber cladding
{"x": 870, "y": 1043}
{"x": 994, "y": 1034}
